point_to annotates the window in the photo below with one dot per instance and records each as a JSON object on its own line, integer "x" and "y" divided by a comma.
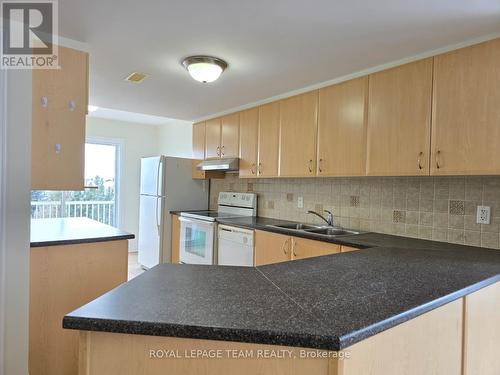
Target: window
{"x": 99, "y": 200}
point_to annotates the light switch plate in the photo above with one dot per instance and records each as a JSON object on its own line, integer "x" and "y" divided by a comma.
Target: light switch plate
{"x": 483, "y": 214}
{"x": 300, "y": 202}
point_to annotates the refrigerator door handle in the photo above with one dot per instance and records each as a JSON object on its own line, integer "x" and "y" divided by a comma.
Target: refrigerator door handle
{"x": 156, "y": 214}
{"x": 160, "y": 162}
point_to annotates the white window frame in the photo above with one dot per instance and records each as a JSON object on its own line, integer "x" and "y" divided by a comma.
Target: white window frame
{"x": 119, "y": 144}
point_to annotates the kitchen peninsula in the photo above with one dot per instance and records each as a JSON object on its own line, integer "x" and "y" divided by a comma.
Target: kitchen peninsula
{"x": 415, "y": 309}
{"x": 72, "y": 262}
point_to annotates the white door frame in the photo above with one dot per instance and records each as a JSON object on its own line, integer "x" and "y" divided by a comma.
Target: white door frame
{"x": 119, "y": 143}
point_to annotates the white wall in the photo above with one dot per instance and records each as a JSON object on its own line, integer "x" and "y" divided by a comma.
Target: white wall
{"x": 175, "y": 139}
{"x": 15, "y": 176}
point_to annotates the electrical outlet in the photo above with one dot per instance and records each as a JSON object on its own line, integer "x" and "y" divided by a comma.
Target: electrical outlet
{"x": 483, "y": 214}
{"x": 300, "y": 202}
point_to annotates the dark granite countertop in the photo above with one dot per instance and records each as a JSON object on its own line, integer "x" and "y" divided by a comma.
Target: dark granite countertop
{"x": 328, "y": 302}
{"x": 67, "y": 231}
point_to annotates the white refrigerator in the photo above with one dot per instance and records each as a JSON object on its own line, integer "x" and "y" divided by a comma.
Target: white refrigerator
{"x": 166, "y": 185}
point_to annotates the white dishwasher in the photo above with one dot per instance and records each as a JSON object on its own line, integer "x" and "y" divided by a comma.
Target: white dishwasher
{"x": 235, "y": 246}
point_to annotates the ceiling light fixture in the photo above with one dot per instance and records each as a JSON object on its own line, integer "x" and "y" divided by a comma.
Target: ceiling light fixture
{"x": 204, "y": 68}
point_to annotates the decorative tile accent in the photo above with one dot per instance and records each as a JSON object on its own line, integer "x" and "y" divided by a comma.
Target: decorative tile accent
{"x": 354, "y": 200}
{"x": 457, "y": 207}
{"x": 398, "y": 216}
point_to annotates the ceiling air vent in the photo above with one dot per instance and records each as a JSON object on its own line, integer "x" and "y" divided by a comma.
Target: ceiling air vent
{"x": 136, "y": 77}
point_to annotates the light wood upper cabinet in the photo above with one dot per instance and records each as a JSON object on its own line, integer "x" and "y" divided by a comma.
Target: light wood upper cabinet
{"x": 212, "y": 138}
{"x": 303, "y": 248}
{"x": 271, "y": 248}
{"x": 298, "y": 135}
{"x": 466, "y": 111}
{"x": 198, "y": 149}
{"x": 230, "y": 136}
{"x": 249, "y": 128}
{"x": 399, "y": 120}
{"x": 342, "y": 129}
{"x": 60, "y": 101}
{"x": 269, "y": 133}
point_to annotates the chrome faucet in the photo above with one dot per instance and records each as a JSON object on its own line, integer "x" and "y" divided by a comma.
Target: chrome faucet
{"x": 328, "y": 219}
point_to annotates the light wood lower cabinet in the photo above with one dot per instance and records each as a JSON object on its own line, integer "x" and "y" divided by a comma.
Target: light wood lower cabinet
{"x": 481, "y": 335}
{"x": 176, "y": 238}
{"x": 60, "y": 101}
{"x": 274, "y": 248}
{"x": 271, "y": 248}
{"x": 304, "y": 248}
{"x": 346, "y": 249}
{"x": 432, "y": 343}
{"x": 62, "y": 279}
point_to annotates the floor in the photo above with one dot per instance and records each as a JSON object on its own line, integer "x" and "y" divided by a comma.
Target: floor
{"x": 134, "y": 268}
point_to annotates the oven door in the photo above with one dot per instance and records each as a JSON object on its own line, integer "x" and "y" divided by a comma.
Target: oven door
{"x": 196, "y": 241}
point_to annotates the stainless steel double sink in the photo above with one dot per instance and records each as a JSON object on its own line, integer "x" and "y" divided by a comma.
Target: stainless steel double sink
{"x": 315, "y": 230}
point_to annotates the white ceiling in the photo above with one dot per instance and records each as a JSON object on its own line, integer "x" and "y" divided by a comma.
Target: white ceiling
{"x": 132, "y": 117}
{"x": 272, "y": 46}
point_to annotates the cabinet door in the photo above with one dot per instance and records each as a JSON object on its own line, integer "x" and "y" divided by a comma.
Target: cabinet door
{"x": 269, "y": 133}
{"x": 249, "y": 127}
{"x": 271, "y": 248}
{"x": 482, "y": 324}
{"x": 212, "y": 138}
{"x": 230, "y": 139}
{"x": 304, "y": 248}
{"x": 176, "y": 233}
{"x": 298, "y": 135}
{"x": 466, "y": 111}
{"x": 399, "y": 120}
{"x": 58, "y": 126}
{"x": 347, "y": 249}
{"x": 342, "y": 129}
{"x": 198, "y": 149}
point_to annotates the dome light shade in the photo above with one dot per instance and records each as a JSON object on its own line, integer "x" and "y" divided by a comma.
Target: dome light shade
{"x": 204, "y": 69}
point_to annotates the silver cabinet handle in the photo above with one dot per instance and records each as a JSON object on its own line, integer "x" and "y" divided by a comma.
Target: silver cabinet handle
{"x": 222, "y": 150}
{"x": 293, "y": 248}
{"x": 438, "y": 154}
{"x": 310, "y": 165}
{"x": 44, "y": 101}
{"x": 420, "y": 160}
{"x": 218, "y": 150}
{"x": 259, "y": 169}
{"x": 71, "y": 105}
{"x": 320, "y": 165}
{"x": 252, "y": 168}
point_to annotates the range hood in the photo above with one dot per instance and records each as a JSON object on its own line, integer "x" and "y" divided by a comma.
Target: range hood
{"x": 223, "y": 165}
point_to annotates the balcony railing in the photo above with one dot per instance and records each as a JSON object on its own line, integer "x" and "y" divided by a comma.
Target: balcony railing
{"x": 102, "y": 211}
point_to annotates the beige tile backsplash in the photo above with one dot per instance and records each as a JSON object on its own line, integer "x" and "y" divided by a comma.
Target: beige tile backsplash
{"x": 438, "y": 208}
